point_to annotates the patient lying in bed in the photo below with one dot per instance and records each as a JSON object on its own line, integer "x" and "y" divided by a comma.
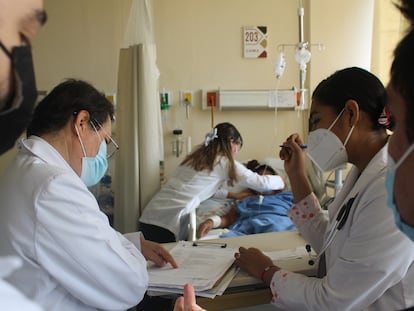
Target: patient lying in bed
{"x": 258, "y": 213}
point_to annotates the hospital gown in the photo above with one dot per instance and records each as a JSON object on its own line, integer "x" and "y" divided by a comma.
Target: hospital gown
{"x": 260, "y": 214}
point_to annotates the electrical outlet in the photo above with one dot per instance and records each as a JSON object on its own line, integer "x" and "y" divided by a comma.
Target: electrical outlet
{"x": 212, "y": 99}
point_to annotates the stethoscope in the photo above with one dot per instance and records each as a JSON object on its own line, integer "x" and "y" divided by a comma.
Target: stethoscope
{"x": 340, "y": 221}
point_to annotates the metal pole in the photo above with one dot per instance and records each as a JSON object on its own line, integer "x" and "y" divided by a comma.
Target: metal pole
{"x": 302, "y": 44}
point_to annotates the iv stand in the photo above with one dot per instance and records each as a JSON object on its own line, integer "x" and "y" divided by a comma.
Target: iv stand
{"x": 302, "y": 55}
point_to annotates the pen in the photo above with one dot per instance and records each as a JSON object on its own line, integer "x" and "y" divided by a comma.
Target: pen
{"x": 221, "y": 245}
{"x": 301, "y": 146}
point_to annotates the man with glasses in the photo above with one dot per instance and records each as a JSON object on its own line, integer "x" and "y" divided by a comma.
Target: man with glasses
{"x": 72, "y": 258}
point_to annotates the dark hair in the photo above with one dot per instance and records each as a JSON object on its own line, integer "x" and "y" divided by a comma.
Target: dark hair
{"x": 204, "y": 157}
{"x": 256, "y": 167}
{"x": 64, "y": 101}
{"x": 353, "y": 84}
{"x": 402, "y": 67}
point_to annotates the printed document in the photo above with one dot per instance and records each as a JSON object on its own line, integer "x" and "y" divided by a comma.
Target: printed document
{"x": 202, "y": 265}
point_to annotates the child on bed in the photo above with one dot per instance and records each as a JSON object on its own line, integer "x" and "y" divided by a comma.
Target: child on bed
{"x": 258, "y": 213}
{"x": 196, "y": 179}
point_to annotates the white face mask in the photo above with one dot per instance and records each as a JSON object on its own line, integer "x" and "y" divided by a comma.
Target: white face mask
{"x": 326, "y": 150}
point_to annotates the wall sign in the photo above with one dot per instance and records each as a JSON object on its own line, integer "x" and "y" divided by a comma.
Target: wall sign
{"x": 255, "y": 41}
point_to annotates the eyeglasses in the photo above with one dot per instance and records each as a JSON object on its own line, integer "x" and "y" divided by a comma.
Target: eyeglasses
{"x": 112, "y": 146}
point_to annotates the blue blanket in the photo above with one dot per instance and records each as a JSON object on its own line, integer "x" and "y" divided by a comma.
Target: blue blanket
{"x": 260, "y": 215}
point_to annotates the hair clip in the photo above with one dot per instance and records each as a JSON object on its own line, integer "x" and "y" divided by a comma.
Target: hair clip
{"x": 210, "y": 136}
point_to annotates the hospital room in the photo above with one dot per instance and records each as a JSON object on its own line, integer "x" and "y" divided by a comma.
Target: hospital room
{"x": 175, "y": 71}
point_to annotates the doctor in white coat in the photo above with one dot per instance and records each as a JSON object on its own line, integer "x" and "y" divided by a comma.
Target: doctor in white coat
{"x": 72, "y": 258}
{"x": 197, "y": 178}
{"x": 369, "y": 262}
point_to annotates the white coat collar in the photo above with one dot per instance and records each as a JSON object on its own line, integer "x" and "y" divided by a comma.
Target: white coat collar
{"x": 44, "y": 151}
{"x": 354, "y": 184}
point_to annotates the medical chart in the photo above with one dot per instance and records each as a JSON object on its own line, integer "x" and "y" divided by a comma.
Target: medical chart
{"x": 202, "y": 265}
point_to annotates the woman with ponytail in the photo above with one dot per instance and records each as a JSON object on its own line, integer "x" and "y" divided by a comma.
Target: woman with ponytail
{"x": 197, "y": 178}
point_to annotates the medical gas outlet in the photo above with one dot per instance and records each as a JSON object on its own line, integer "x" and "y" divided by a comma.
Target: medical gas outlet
{"x": 165, "y": 100}
{"x": 186, "y": 100}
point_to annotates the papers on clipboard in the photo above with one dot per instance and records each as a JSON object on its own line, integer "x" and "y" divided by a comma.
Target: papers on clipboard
{"x": 205, "y": 265}
{"x": 296, "y": 253}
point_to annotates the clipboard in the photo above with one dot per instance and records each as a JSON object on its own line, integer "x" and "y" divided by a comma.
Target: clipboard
{"x": 202, "y": 264}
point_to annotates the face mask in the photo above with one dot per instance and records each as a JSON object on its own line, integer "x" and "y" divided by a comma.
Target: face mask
{"x": 93, "y": 168}
{"x": 389, "y": 185}
{"x": 15, "y": 120}
{"x": 326, "y": 150}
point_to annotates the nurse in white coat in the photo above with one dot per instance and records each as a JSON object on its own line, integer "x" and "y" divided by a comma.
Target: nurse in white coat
{"x": 197, "y": 178}
{"x": 72, "y": 258}
{"x": 369, "y": 262}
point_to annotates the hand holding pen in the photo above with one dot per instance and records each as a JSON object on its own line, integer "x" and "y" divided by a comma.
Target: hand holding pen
{"x": 294, "y": 157}
{"x": 293, "y": 153}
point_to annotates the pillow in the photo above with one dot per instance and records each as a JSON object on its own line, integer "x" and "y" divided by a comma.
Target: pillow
{"x": 278, "y": 165}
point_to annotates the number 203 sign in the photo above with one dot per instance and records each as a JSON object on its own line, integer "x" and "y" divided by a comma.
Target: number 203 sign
{"x": 255, "y": 41}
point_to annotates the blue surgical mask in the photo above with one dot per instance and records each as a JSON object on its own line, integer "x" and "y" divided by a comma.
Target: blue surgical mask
{"x": 389, "y": 185}
{"x": 93, "y": 168}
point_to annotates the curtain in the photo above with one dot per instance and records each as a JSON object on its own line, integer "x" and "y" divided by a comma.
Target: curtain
{"x": 138, "y": 121}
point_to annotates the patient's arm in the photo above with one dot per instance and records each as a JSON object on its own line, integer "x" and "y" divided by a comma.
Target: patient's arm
{"x": 240, "y": 195}
{"x": 226, "y": 220}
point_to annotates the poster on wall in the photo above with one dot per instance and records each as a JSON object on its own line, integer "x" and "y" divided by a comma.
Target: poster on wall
{"x": 255, "y": 41}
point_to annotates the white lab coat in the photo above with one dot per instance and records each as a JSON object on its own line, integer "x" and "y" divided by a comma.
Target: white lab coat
{"x": 72, "y": 258}
{"x": 10, "y": 298}
{"x": 369, "y": 263}
{"x": 186, "y": 188}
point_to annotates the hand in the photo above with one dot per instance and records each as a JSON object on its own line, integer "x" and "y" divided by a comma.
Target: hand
{"x": 204, "y": 228}
{"x": 252, "y": 260}
{"x": 293, "y": 155}
{"x": 157, "y": 253}
{"x": 188, "y": 302}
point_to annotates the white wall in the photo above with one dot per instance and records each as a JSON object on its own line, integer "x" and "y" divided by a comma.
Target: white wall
{"x": 200, "y": 46}
{"x": 345, "y": 27}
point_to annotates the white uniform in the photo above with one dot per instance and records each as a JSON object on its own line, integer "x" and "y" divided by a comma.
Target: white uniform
{"x": 72, "y": 258}
{"x": 369, "y": 263}
{"x": 186, "y": 188}
{"x": 10, "y": 298}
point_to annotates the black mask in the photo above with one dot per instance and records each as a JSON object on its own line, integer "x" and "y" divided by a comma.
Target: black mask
{"x": 15, "y": 120}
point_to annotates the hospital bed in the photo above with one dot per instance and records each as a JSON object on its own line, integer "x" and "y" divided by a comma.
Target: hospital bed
{"x": 319, "y": 181}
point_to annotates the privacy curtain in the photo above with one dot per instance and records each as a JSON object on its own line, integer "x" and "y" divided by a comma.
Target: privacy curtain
{"x": 138, "y": 121}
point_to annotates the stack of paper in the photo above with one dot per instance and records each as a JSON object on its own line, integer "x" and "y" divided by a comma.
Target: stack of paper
{"x": 205, "y": 265}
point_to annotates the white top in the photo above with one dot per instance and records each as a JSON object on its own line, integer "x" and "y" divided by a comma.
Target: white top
{"x": 369, "y": 263}
{"x": 186, "y": 188}
{"x": 72, "y": 258}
